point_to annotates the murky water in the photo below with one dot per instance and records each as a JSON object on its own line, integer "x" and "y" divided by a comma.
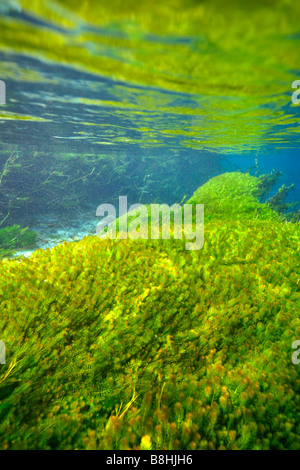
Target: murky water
{"x": 148, "y": 99}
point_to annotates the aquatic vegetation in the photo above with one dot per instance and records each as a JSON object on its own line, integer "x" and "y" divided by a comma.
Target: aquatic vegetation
{"x": 122, "y": 344}
{"x": 37, "y": 182}
{"x": 140, "y": 344}
{"x": 235, "y": 194}
{"x": 277, "y": 202}
{"x": 241, "y": 196}
{"x": 15, "y": 237}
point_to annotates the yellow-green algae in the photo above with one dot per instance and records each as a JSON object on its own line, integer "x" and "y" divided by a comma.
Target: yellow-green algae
{"x": 123, "y": 344}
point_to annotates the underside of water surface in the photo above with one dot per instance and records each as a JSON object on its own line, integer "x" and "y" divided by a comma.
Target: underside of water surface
{"x": 138, "y": 343}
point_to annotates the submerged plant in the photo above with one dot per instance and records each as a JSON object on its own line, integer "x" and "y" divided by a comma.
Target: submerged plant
{"x": 141, "y": 344}
{"x": 15, "y": 237}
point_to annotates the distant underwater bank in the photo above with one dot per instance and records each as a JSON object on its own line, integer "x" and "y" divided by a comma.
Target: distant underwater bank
{"x": 142, "y": 344}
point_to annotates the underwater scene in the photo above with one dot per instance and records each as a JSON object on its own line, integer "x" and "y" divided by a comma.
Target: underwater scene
{"x": 149, "y": 225}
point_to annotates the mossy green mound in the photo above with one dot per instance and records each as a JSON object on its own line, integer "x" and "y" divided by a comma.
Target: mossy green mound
{"x": 233, "y": 196}
{"x": 140, "y": 344}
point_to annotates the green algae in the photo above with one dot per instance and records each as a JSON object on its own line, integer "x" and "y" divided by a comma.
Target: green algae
{"x": 14, "y": 238}
{"x": 233, "y": 196}
{"x": 197, "y": 344}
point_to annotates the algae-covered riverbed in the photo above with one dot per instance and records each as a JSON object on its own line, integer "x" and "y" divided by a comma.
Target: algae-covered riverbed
{"x": 140, "y": 343}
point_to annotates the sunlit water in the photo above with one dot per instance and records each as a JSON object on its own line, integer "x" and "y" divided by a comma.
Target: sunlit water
{"x": 170, "y": 102}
